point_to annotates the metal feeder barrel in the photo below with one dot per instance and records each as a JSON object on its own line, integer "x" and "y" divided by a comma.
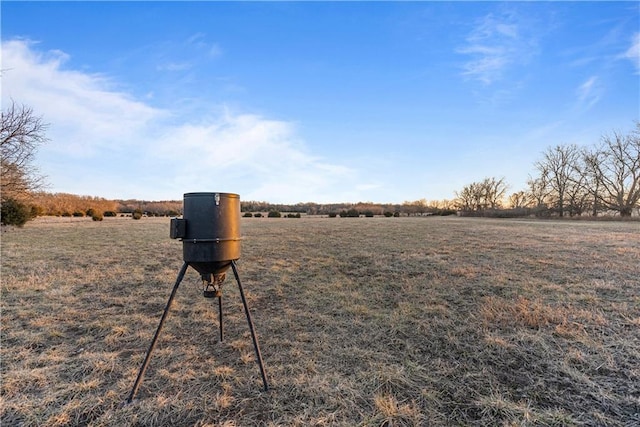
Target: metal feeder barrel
{"x": 210, "y": 231}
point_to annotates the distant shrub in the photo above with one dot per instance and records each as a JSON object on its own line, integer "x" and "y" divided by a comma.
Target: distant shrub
{"x": 293, "y": 215}
{"x": 110, "y": 214}
{"x": 257, "y": 215}
{"x": 274, "y": 214}
{"x": 36, "y": 211}
{"x": 351, "y": 213}
{"x": 97, "y": 216}
{"x": 446, "y": 212}
{"x": 332, "y": 214}
{"x": 137, "y": 214}
{"x": 502, "y": 213}
{"x": 388, "y": 214}
{"x": 396, "y": 214}
{"x": 78, "y": 214}
{"x": 368, "y": 214}
{"x": 66, "y": 213}
{"x": 247, "y": 215}
{"x": 90, "y": 212}
{"x": 13, "y": 212}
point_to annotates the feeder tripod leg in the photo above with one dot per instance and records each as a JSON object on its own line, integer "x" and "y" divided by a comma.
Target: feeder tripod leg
{"x": 256, "y": 346}
{"x": 183, "y": 270}
{"x": 220, "y": 318}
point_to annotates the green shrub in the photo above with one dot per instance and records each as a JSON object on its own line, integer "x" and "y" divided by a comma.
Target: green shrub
{"x": 293, "y": 215}
{"x": 445, "y": 212}
{"x": 13, "y": 212}
{"x": 247, "y": 215}
{"x": 388, "y": 214}
{"x": 368, "y": 214}
{"x": 137, "y": 214}
{"x": 257, "y": 215}
{"x": 274, "y": 214}
{"x": 110, "y": 214}
{"x": 332, "y": 214}
{"x": 351, "y": 213}
{"x": 97, "y": 216}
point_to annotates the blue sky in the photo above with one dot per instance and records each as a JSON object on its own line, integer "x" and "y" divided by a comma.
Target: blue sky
{"x": 315, "y": 101}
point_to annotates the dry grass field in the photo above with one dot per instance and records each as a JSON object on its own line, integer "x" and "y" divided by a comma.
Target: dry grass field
{"x": 361, "y": 322}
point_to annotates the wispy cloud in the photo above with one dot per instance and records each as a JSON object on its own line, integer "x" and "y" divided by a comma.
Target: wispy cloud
{"x": 174, "y": 66}
{"x": 497, "y": 43}
{"x": 589, "y": 93}
{"x": 104, "y": 142}
{"x": 633, "y": 53}
{"x": 199, "y": 41}
{"x": 184, "y": 55}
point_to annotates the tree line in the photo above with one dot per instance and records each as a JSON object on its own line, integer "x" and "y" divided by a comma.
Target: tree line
{"x": 569, "y": 180}
{"x": 64, "y": 204}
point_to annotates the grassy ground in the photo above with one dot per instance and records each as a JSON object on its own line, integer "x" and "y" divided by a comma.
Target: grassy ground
{"x": 370, "y": 321}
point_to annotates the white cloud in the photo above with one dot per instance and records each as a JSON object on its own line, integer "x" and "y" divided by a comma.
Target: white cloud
{"x": 496, "y": 44}
{"x": 106, "y": 143}
{"x": 85, "y": 112}
{"x": 252, "y": 149}
{"x": 198, "y": 40}
{"x": 633, "y": 53}
{"x": 589, "y": 92}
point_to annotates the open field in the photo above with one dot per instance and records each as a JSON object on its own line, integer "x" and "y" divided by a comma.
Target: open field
{"x": 364, "y": 321}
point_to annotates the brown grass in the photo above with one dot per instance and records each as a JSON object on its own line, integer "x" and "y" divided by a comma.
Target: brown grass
{"x": 370, "y": 321}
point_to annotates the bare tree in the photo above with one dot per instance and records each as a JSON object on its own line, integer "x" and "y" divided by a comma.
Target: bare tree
{"x": 591, "y": 159}
{"x": 494, "y": 191}
{"x": 557, "y": 169}
{"x": 20, "y": 135}
{"x": 615, "y": 167}
{"x": 443, "y": 204}
{"x": 577, "y": 195}
{"x": 538, "y": 191}
{"x": 577, "y": 190}
{"x": 414, "y": 207}
{"x": 478, "y": 196}
{"x": 520, "y": 199}
{"x": 469, "y": 198}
